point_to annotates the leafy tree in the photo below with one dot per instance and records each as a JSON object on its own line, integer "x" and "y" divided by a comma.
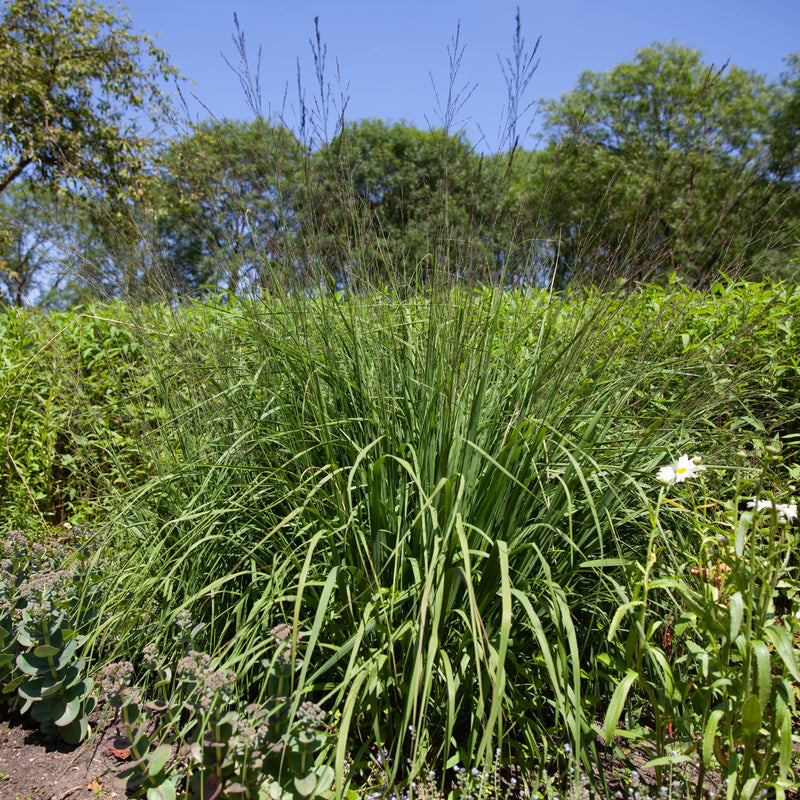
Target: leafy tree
{"x": 75, "y": 77}
{"x": 74, "y": 156}
{"x": 26, "y": 249}
{"x": 245, "y": 204}
{"x": 225, "y": 203}
{"x": 784, "y": 144}
{"x": 57, "y": 250}
{"x": 395, "y": 198}
{"x": 784, "y": 138}
{"x": 660, "y": 165}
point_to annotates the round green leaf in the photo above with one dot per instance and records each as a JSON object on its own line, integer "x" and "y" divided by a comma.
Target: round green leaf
{"x": 68, "y": 709}
{"x": 305, "y": 786}
{"x": 46, "y": 709}
{"x": 67, "y": 653}
{"x": 158, "y": 759}
{"x": 164, "y": 791}
{"x": 31, "y": 665}
{"x": 31, "y": 689}
{"x": 76, "y": 731}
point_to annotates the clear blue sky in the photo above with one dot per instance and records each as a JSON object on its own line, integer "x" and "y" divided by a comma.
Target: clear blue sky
{"x": 388, "y": 51}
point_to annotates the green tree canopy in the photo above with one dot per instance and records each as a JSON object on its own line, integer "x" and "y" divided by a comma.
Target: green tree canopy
{"x": 57, "y": 249}
{"x": 75, "y": 79}
{"x": 661, "y": 164}
{"x": 394, "y": 197}
{"x": 26, "y": 249}
{"x": 226, "y": 203}
{"x": 784, "y": 139}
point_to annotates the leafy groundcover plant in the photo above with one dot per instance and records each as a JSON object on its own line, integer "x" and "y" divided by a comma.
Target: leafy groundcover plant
{"x": 48, "y": 605}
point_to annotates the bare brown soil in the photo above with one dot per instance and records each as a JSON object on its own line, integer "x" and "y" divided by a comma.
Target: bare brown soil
{"x": 35, "y": 766}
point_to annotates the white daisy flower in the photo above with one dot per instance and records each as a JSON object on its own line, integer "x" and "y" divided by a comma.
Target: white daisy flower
{"x": 666, "y": 475}
{"x": 677, "y": 473}
{"x": 784, "y": 511}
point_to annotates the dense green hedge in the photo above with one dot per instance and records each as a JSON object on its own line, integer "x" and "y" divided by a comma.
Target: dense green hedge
{"x": 76, "y": 395}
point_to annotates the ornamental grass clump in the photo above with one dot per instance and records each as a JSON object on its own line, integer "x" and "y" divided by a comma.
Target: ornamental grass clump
{"x": 411, "y": 482}
{"x": 441, "y": 490}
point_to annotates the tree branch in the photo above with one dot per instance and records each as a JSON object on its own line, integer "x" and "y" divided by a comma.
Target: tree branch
{"x": 14, "y": 172}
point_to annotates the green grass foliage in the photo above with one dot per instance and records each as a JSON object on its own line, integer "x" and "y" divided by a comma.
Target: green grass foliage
{"x": 440, "y": 495}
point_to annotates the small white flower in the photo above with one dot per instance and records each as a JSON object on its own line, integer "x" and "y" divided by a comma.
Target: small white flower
{"x": 784, "y": 511}
{"x": 687, "y": 468}
{"x": 677, "y": 473}
{"x": 666, "y": 475}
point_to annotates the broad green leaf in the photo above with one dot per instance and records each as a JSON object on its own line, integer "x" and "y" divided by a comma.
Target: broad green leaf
{"x": 763, "y": 673}
{"x": 158, "y": 759}
{"x": 786, "y": 749}
{"x": 616, "y": 705}
{"x": 306, "y": 784}
{"x": 164, "y": 791}
{"x": 65, "y": 712}
{"x": 52, "y": 687}
{"x": 275, "y": 792}
{"x": 325, "y": 776}
{"x": 76, "y": 731}
{"x": 710, "y": 734}
{"x": 736, "y": 611}
{"x": 782, "y": 642}
{"x": 31, "y": 664}
{"x": 67, "y": 653}
{"x": 47, "y": 708}
{"x": 751, "y": 717}
{"x": 749, "y": 789}
{"x": 14, "y": 684}
{"x": 24, "y": 638}
{"x": 34, "y": 688}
